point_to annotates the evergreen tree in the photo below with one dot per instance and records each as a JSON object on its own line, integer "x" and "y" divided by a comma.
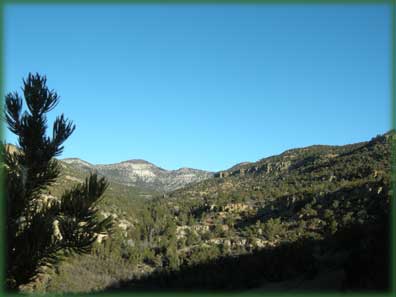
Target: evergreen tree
{"x": 39, "y": 233}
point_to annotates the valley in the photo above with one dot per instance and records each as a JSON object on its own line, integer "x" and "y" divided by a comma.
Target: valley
{"x": 303, "y": 214}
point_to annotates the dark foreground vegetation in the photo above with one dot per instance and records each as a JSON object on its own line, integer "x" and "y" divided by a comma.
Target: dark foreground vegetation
{"x": 40, "y": 232}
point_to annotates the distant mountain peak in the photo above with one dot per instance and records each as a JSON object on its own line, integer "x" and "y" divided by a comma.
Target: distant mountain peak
{"x": 143, "y": 174}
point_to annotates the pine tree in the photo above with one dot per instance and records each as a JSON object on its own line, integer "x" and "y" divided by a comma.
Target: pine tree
{"x": 40, "y": 234}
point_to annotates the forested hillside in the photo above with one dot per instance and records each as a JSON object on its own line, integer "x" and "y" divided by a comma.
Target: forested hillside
{"x": 310, "y": 218}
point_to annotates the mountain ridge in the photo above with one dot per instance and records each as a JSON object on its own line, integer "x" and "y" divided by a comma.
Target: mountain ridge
{"x": 143, "y": 174}
{"x": 132, "y": 161}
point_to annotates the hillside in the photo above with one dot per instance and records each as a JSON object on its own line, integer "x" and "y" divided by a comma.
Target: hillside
{"x": 307, "y": 216}
{"x": 303, "y": 214}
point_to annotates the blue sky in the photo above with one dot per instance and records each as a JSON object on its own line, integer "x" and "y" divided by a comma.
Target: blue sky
{"x": 205, "y": 86}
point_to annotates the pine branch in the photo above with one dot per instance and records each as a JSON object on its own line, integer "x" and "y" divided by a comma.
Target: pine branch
{"x": 39, "y": 98}
{"x": 62, "y": 129}
{"x": 13, "y": 111}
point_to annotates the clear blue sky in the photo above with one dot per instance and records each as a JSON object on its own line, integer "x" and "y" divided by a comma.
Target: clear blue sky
{"x": 206, "y": 86}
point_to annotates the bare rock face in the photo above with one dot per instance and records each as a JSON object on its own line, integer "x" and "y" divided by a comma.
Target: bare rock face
{"x": 143, "y": 174}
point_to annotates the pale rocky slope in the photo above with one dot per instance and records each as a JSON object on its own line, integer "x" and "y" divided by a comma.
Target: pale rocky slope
{"x": 143, "y": 174}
